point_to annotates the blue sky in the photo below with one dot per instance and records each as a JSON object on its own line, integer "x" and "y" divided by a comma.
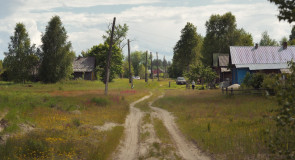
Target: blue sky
{"x": 154, "y": 25}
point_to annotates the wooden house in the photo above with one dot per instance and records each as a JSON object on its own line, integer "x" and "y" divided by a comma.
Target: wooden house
{"x": 265, "y": 59}
{"x": 84, "y": 67}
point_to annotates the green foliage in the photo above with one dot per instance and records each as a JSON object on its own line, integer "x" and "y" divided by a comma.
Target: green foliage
{"x": 187, "y": 50}
{"x": 254, "y": 80}
{"x": 138, "y": 59}
{"x": 267, "y": 41}
{"x": 120, "y": 34}
{"x": 221, "y": 33}
{"x": 76, "y": 122}
{"x": 283, "y": 140}
{"x": 100, "y": 101}
{"x": 1, "y": 69}
{"x": 100, "y": 52}
{"x": 56, "y": 56}
{"x": 247, "y": 80}
{"x": 125, "y": 69}
{"x": 205, "y": 74}
{"x": 21, "y": 60}
{"x": 286, "y": 9}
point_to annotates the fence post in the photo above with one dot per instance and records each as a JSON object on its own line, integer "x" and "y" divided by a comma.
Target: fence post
{"x": 231, "y": 91}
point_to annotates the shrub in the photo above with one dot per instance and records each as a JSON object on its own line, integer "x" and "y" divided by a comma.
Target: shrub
{"x": 100, "y": 101}
{"x": 257, "y": 79}
{"x": 253, "y": 80}
{"x": 76, "y": 122}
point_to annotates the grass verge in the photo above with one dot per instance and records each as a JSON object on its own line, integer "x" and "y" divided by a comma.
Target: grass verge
{"x": 230, "y": 128}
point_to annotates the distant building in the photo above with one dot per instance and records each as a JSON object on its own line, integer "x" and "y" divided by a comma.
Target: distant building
{"x": 84, "y": 67}
{"x": 266, "y": 59}
{"x": 221, "y": 66}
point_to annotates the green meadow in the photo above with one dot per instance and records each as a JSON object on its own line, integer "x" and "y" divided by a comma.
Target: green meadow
{"x": 58, "y": 121}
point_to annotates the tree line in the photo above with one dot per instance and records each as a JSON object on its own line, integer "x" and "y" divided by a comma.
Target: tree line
{"x": 192, "y": 51}
{"x": 50, "y": 63}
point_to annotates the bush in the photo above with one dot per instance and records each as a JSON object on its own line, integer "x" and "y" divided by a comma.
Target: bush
{"x": 253, "y": 80}
{"x": 100, "y": 101}
{"x": 257, "y": 79}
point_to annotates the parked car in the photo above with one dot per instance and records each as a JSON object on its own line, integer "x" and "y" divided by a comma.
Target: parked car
{"x": 136, "y": 77}
{"x": 180, "y": 80}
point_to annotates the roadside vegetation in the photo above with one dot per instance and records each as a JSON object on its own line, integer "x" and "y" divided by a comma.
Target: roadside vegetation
{"x": 229, "y": 128}
{"x": 58, "y": 121}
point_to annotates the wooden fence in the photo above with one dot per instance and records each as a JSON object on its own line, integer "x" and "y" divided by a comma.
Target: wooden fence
{"x": 261, "y": 91}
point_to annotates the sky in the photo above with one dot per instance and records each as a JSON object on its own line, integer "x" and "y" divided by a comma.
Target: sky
{"x": 154, "y": 25}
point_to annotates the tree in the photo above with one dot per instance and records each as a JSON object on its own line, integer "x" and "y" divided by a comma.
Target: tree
{"x": 267, "y": 41}
{"x": 125, "y": 69}
{"x": 1, "y": 69}
{"x": 56, "y": 56}
{"x": 286, "y": 9}
{"x": 120, "y": 34}
{"x": 100, "y": 52}
{"x": 21, "y": 58}
{"x": 186, "y": 51}
{"x": 137, "y": 58}
{"x": 282, "y": 142}
{"x": 201, "y": 72}
{"x": 221, "y": 33}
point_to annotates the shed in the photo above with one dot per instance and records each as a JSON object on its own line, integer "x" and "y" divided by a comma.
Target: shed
{"x": 266, "y": 59}
{"x": 221, "y": 66}
{"x": 84, "y": 67}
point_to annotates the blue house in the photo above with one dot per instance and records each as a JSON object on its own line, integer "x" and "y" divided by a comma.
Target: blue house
{"x": 266, "y": 59}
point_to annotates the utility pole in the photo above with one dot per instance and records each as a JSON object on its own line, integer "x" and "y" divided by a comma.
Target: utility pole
{"x": 109, "y": 59}
{"x": 129, "y": 61}
{"x": 146, "y": 65}
{"x": 152, "y": 74}
{"x": 165, "y": 65}
{"x": 158, "y": 67}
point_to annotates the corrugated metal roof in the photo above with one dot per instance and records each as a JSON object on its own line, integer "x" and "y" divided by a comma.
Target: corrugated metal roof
{"x": 223, "y": 60}
{"x": 216, "y": 59}
{"x": 263, "y": 66}
{"x": 261, "y": 55}
{"x": 86, "y": 64}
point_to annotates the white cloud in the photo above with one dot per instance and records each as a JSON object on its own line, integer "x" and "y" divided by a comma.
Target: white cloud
{"x": 221, "y": 1}
{"x": 152, "y": 28}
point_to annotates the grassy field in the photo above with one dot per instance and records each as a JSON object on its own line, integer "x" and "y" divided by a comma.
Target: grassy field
{"x": 58, "y": 121}
{"x": 46, "y": 121}
{"x": 229, "y": 128}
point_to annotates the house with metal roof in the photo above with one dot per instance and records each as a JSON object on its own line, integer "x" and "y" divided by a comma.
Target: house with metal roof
{"x": 84, "y": 67}
{"x": 266, "y": 59}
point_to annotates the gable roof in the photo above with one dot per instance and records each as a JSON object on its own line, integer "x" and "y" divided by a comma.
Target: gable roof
{"x": 262, "y": 55}
{"x": 85, "y": 64}
{"x": 223, "y": 60}
{"x": 216, "y": 58}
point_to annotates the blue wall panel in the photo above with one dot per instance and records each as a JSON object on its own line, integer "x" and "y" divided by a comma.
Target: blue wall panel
{"x": 241, "y": 74}
{"x": 238, "y": 75}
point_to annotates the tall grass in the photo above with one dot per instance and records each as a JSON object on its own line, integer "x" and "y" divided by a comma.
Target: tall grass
{"x": 231, "y": 128}
{"x": 64, "y": 115}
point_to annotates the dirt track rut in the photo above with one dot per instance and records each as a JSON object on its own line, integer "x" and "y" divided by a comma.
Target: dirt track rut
{"x": 129, "y": 148}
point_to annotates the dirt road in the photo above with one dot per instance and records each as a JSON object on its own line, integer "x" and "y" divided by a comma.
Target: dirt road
{"x": 129, "y": 148}
{"x": 187, "y": 150}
